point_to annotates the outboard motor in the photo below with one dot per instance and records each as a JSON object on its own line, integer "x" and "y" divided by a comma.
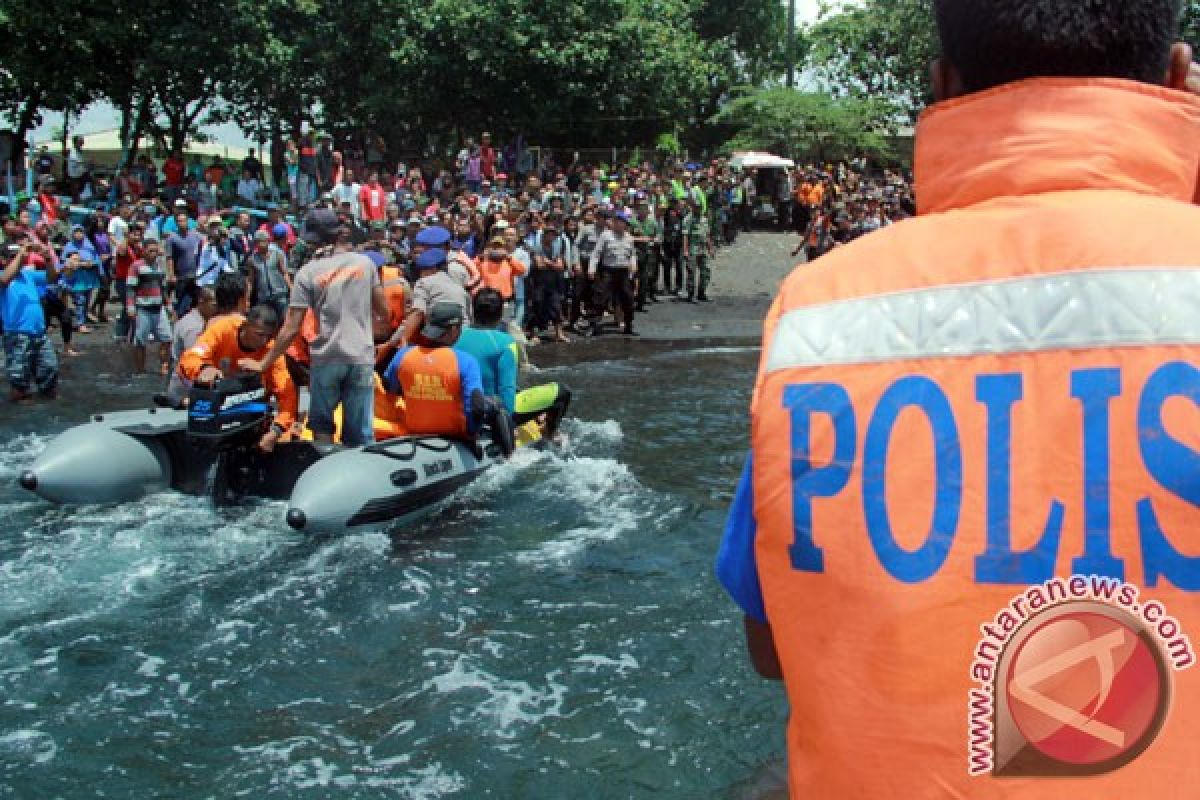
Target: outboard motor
{"x": 230, "y": 418}
{"x": 232, "y": 414}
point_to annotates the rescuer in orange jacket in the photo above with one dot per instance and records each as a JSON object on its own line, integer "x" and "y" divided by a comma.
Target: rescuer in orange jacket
{"x": 966, "y": 537}
{"x": 231, "y": 338}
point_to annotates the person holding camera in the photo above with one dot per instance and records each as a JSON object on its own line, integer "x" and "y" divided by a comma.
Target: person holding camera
{"x": 216, "y": 255}
{"x": 29, "y": 358}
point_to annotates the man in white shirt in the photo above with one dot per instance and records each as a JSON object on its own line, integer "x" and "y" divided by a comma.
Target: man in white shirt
{"x": 76, "y": 166}
{"x": 118, "y": 226}
{"x": 248, "y": 188}
{"x": 347, "y": 192}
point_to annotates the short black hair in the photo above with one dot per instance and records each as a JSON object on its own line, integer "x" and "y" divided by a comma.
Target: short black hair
{"x": 488, "y": 308}
{"x": 993, "y": 42}
{"x": 229, "y": 290}
{"x": 264, "y": 315}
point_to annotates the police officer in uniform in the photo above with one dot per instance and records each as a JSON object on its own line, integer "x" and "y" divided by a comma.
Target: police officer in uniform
{"x": 613, "y": 264}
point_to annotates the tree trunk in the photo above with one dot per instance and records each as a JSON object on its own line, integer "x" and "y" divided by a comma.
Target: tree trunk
{"x": 25, "y": 122}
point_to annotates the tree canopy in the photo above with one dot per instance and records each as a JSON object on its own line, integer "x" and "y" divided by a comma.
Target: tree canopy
{"x": 603, "y": 71}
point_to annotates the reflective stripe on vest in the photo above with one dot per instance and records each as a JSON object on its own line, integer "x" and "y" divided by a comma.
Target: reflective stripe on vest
{"x": 1105, "y": 307}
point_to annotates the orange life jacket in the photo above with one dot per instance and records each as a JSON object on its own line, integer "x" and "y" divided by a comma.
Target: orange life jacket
{"x": 965, "y": 406}
{"x": 395, "y": 288}
{"x": 218, "y": 347}
{"x": 431, "y": 384}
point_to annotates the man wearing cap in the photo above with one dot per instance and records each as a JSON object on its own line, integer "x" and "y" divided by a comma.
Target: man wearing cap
{"x": 274, "y": 218}
{"x": 614, "y": 263}
{"x": 434, "y": 285}
{"x": 343, "y": 290}
{"x": 442, "y": 385}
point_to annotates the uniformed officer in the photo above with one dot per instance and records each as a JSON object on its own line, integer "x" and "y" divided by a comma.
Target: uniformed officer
{"x": 646, "y": 236}
{"x": 614, "y": 263}
{"x": 697, "y": 250}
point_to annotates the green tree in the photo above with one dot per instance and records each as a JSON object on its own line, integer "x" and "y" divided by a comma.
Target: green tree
{"x": 799, "y": 124}
{"x": 45, "y": 68}
{"x": 878, "y": 48}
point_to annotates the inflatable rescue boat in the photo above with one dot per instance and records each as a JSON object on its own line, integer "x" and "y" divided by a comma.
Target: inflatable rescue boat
{"x": 211, "y": 449}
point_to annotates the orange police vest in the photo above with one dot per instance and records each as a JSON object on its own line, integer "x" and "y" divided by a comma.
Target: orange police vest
{"x": 957, "y": 414}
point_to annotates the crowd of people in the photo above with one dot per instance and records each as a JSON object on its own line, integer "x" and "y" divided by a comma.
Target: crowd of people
{"x": 570, "y": 250}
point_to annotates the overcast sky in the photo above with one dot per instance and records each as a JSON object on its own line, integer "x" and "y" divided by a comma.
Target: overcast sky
{"x": 103, "y": 116}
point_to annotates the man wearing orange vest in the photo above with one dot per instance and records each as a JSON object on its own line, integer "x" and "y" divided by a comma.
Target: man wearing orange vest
{"x": 966, "y": 537}
{"x": 441, "y": 386}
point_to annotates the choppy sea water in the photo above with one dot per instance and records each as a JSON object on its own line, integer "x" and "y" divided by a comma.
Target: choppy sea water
{"x": 554, "y": 631}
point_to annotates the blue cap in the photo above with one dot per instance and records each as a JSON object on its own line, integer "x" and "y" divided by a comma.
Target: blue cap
{"x": 279, "y": 230}
{"x": 435, "y": 236}
{"x": 431, "y": 259}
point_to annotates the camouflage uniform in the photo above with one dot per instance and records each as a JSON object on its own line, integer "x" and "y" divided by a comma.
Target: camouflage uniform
{"x": 696, "y": 229}
{"x": 647, "y": 255}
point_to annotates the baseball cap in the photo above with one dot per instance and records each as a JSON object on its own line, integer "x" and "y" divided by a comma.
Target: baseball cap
{"x": 500, "y": 225}
{"x": 431, "y": 258}
{"x": 215, "y": 219}
{"x": 262, "y": 236}
{"x": 321, "y": 226}
{"x": 279, "y": 230}
{"x": 441, "y": 317}
{"x": 435, "y": 236}
{"x": 501, "y": 176}
{"x": 181, "y": 203}
{"x": 378, "y": 225}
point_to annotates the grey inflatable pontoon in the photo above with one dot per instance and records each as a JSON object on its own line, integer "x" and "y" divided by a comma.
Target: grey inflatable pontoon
{"x": 124, "y": 456}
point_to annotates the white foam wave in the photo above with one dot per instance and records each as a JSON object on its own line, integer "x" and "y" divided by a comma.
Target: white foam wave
{"x": 19, "y": 452}
{"x": 508, "y": 706}
{"x": 29, "y": 745}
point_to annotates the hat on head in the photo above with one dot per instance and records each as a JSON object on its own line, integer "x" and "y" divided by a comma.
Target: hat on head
{"x": 397, "y": 223}
{"x": 496, "y": 240}
{"x": 442, "y": 316}
{"x": 431, "y": 258}
{"x": 279, "y": 230}
{"x": 500, "y": 225}
{"x": 215, "y": 219}
{"x": 501, "y": 176}
{"x": 378, "y": 225}
{"x": 321, "y": 226}
{"x": 262, "y": 236}
{"x": 435, "y": 236}
{"x": 180, "y": 203}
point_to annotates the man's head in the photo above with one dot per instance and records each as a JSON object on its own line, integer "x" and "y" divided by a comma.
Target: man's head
{"x": 261, "y": 325}
{"x": 487, "y": 308}
{"x": 262, "y": 241}
{"x": 228, "y": 292}
{"x": 150, "y": 250}
{"x": 444, "y": 323}
{"x": 206, "y": 302}
{"x": 321, "y": 227}
{"x": 986, "y": 43}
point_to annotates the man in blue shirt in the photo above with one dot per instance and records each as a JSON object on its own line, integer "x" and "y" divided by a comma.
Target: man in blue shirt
{"x": 29, "y": 358}
{"x": 493, "y": 347}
